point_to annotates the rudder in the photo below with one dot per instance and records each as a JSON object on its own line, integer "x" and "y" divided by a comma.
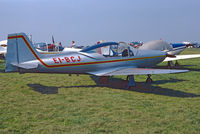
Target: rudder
{"x": 19, "y": 50}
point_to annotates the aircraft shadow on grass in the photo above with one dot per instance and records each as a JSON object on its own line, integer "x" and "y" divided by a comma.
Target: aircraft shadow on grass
{"x": 43, "y": 89}
{"x": 143, "y": 87}
{"x": 120, "y": 84}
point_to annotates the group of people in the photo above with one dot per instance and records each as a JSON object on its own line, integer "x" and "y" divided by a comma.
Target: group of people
{"x": 72, "y": 45}
{"x": 59, "y": 47}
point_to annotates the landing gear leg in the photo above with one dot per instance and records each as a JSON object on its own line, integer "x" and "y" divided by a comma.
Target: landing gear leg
{"x": 131, "y": 82}
{"x": 149, "y": 80}
{"x": 176, "y": 64}
{"x": 170, "y": 64}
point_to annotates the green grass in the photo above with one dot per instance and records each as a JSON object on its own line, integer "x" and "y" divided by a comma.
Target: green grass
{"x": 57, "y": 103}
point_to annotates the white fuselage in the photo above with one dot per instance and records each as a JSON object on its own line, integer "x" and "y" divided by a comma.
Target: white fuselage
{"x": 3, "y": 47}
{"x": 67, "y": 49}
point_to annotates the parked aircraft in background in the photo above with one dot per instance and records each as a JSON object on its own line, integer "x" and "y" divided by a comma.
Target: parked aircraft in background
{"x": 3, "y": 48}
{"x": 43, "y": 48}
{"x": 177, "y": 48}
{"x": 197, "y": 45}
{"x": 172, "y": 49}
{"x": 136, "y": 44}
{"x": 105, "y": 59}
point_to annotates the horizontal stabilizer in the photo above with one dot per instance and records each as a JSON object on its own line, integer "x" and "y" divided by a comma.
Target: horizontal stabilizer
{"x": 136, "y": 71}
{"x": 26, "y": 65}
{"x": 181, "y": 57}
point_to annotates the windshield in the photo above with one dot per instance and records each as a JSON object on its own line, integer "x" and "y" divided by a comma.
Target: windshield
{"x": 110, "y": 49}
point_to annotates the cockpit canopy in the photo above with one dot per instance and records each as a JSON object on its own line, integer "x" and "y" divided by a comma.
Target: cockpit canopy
{"x": 111, "y": 49}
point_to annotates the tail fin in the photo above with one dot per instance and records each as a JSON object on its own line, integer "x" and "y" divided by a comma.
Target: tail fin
{"x": 19, "y": 50}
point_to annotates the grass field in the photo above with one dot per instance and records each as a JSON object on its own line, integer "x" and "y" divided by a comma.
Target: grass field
{"x": 57, "y": 103}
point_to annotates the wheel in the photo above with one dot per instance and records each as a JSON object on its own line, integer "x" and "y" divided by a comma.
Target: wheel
{"x": 176, "y": 64}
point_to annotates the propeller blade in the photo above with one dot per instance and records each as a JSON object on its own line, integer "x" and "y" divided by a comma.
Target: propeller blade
{"x": 53, "y": 40}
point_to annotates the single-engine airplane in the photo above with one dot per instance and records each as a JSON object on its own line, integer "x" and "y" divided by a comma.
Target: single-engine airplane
{"x": 105, "y": 59}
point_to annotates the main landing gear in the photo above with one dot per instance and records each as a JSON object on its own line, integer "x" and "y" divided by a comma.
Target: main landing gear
{"x": 131, "y": 80}
{"x": 176, "y": 64}
{"x": 104, "y": 80}
{"x": 171, "y": 64}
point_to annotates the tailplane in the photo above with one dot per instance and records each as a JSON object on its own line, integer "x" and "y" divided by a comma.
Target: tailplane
{"x": 19, "y": 50}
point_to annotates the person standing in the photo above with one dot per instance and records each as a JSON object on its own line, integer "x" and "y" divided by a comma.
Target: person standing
{"x": 73, "y": 44}
{"x": 59, "y": 46}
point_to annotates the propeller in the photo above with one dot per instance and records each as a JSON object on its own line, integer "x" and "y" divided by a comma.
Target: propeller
{"x": 53, "y": 40}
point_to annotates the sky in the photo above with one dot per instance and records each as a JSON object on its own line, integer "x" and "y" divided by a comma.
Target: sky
{"x": 88, "y": 21}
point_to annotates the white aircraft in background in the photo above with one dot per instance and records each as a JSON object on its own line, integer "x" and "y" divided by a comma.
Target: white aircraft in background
{"x": 3, "y": 47}
{"x": 172, "y": 49}
{"x": 69, "y": 49}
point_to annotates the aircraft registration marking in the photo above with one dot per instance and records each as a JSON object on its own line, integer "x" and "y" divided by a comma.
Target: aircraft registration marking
{"x": 67, "y": 59}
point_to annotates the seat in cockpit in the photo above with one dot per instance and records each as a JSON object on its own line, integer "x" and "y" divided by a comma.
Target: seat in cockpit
{"x": 125, "y": 53}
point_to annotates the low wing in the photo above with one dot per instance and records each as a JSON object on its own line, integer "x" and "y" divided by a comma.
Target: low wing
{"x": 135, "y": 71}
{"x": 180, "y": 57}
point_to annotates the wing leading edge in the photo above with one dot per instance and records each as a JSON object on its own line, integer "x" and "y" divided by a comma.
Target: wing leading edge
{"x": 180, "y": 57}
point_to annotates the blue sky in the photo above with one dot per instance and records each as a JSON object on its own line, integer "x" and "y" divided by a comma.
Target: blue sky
{"x": 87, "y": 21}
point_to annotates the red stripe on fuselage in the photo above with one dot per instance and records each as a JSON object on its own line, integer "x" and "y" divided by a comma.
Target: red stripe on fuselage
{"x": 75, "y": 64}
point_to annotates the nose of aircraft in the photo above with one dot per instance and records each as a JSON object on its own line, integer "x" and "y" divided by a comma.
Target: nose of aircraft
{"x": 153, "y": 57}
{"x": 153, "y": 53}
{"x": 161, "y": 54}
{"x": 157, "y": 55}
